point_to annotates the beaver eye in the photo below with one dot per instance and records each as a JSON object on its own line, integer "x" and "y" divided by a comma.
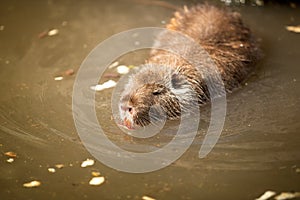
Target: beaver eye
{"x": 156, "y": 92}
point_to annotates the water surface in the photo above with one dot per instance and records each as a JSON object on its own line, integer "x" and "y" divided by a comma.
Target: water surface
{"x": 259, "y": 147}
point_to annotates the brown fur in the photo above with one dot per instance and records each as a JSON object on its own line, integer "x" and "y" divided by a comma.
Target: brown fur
{"x": 224, "y": 37}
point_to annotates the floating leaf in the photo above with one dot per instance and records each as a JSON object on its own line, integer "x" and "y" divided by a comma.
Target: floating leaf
{"x": 97, "y": 180}
{"x": 32, "y": 184}
{"x": 87, "y": 162}
{"x": 295, "y": 29}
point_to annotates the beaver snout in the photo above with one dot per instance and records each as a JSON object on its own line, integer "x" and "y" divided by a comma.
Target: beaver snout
{"x": 127, "y": 113}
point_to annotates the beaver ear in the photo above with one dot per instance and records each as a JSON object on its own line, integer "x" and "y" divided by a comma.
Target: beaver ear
{"x": 177, "y": 80}
{"x": 180, "y": 85}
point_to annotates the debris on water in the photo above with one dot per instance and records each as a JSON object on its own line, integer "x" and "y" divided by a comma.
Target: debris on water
{"x": 287, "y": 195}
{"x": 87, "y": 162}
{"x": 97, "y": 180}
{"x": 10, "y": 154}
{"x": 52, "y": 32}
{"x": 32, "y": 184}
{"x": 122, "y": 69}
{"x": 96, "y": 174}
{"x": 297, "y": 170}
{"x": 295, "y": 29}
{"x": 59, "y": 166}
{"x": 7, "y": 62}
{"x": 113, "y": 65}
{"x": 51, "y": 170}
{"x": 147, "y": 198}
{"x": 2, "y": 28}
{"x": 266, "y": 195}
{"x": 105, "y": 85}
{"x": 259, "y": 2}
{"x": 10, "y": 160}
{"x": 43, "y": 34}
{"x": 58, "y": 78}
{"x": 69, "y": 72}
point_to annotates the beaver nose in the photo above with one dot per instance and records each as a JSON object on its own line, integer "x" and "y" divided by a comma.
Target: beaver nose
{"x": 127, "y": 108}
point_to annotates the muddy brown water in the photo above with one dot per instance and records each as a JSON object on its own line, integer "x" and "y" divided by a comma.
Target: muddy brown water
{"x": 259, "y": 147}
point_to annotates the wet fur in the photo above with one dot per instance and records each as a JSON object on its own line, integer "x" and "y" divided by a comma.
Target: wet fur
{"x": 225, "y": 38}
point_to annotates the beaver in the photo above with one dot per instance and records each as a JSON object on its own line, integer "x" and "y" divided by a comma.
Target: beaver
{"x": 221, "y": 33}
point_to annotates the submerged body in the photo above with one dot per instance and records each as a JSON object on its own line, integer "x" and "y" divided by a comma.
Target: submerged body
{"x": 167, "y": 79}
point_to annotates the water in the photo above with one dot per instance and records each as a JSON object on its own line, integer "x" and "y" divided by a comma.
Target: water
{"x": 259, "y": 147}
